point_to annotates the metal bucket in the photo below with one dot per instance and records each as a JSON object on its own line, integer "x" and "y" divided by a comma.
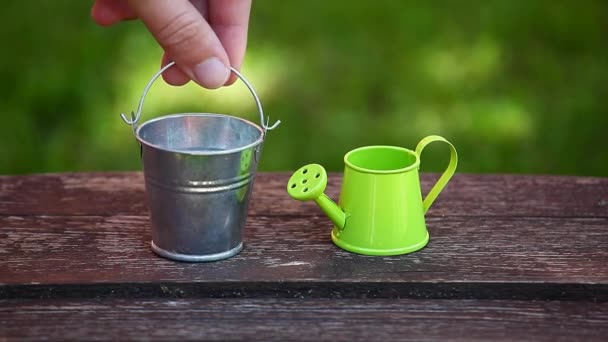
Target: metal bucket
{"x": 199, "y": 170}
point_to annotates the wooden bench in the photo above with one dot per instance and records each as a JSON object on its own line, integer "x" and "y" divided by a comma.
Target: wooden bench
{"x": 510, "y": 258}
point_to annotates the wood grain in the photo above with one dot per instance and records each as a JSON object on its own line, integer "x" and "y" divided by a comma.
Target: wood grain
{"x": 468, "y": 255}
{"x": 104, "y": 194}
{"x": 510, "y": 258}
{"x": 303, "y": 320}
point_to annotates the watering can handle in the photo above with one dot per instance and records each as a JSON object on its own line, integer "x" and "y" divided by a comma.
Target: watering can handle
{"x": 447, "y": 174}
{"x": 136, "y": 116}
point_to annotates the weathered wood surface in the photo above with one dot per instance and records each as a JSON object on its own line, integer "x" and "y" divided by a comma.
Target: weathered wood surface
{"x": 99, "y": 243}
{"x": 466, "y": 195}
{"x": 510, "y": 257}
{"x": 115, "y": 249}
{"x": 303, "y": 320}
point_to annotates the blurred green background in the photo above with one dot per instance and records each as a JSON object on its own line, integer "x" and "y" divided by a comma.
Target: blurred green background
{"x": 517, "y": 86}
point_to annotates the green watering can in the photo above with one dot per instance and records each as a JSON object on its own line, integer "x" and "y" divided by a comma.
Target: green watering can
{"x": 381, "y": 210}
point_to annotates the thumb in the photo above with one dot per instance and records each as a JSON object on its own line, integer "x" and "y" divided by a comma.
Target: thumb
{"x": 187, "y": 37}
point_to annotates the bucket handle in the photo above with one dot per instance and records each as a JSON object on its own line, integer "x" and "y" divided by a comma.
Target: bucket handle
{"x": 137, "y": 115}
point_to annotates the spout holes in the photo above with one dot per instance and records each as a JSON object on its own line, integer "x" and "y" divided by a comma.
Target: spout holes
{"x": 305, "y": 190}
{"x": 293, "y": 185}
{"x": 305, "y": 171}
{"x": 317, "y": 175}
{"x": 304, "y": 181}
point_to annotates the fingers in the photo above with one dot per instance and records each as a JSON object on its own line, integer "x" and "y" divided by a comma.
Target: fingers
{"x": 180, "y": 28}
{"x": 202, "y": 6}
{"x": 174, "y": 76}
{"x": 230, "y": 19}
{"x": 109, "y": 12}
{"x": 185, "y": 35}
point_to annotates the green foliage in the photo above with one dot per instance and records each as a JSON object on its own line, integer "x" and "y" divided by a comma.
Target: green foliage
{"x": 517, "y": 86}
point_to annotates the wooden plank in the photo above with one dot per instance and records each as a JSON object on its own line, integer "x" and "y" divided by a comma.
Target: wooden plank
{"x": 469, "y": 254}
{"x": 303, "y": 320}
{"x": 467, "y": 195}
{"x": 72, "y": 194}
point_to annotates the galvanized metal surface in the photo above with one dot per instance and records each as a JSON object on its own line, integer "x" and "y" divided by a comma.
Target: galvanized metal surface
{"x": 199, "y": 170}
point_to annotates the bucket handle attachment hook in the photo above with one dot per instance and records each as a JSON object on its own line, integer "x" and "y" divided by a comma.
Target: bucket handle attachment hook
{"x": 137, "y": 115}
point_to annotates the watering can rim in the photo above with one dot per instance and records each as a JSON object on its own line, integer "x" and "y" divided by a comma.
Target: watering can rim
{"x": 411, "y": 167}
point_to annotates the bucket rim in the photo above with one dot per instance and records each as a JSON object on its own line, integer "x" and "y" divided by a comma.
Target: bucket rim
{"x": 199, "y": 153}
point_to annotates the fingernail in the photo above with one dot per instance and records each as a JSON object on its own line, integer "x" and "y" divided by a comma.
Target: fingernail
{"x": 211, "y": 73}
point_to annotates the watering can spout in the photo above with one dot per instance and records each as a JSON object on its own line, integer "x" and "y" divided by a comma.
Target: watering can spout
{"x": 332, "y": 210}
{"x": 308, "y": 183}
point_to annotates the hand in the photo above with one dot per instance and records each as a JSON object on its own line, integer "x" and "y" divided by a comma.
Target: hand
{"x": 203, "y": 37}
